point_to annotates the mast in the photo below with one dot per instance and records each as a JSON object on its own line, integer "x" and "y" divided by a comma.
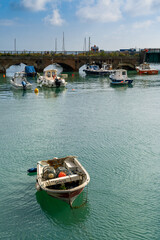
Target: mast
{"x": 15, "y": 44}
{"x": 55, "y": 44}
{"x": 63, "y": 46}
{"x": 84, "y": 47}
{"x": 89, "y": 43}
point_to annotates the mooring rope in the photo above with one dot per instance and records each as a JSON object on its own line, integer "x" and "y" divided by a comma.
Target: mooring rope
{"x": 76, "y": 207}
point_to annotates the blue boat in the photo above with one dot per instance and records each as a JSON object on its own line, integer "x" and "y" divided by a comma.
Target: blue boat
{"x": 30, "y": 71}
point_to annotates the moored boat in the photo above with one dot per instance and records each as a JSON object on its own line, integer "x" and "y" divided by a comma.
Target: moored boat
{"x": 19, "y": 81}
{"x": 51, "y": 80}
{"x": 145, "y": 68}
{"x": 62, "y": 178}
{"x": 119, "y": 77}
{"x": 94, "y": 69}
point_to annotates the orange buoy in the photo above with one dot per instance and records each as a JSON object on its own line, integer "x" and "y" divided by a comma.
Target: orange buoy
{"x": 4, "y": 75}
{"x": 61, "y": 174}
{"x": 36, "y": 90}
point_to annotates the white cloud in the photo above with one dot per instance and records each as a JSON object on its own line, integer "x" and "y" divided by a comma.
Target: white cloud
{"x": 141, "y": 7}
{"x": 158, "y": 19}
{"x": 7, "y": 22}
{"x": 143, "y": 25}
{"x": 54, "y": 19}
{"x": 100, "y": 10}
{"x": 35, "y": 5}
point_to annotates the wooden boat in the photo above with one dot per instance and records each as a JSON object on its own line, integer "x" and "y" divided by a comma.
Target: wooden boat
{"x": 145, "y": 68}
{"x": 50, "y": 79}
{"x": 19, "y": 81}
{"x": 62, "y": 178}
{"x": 120, "y": 77}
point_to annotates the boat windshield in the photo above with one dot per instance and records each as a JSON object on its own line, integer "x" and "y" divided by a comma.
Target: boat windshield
{"x": 19, "y": 74}
{"x": 94, "y": 67}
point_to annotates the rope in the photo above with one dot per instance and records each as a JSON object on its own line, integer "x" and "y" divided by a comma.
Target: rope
{"x": 81, "y": 205}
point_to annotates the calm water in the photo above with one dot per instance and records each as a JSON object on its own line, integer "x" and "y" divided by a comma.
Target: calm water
{"x": 114, "y": 131}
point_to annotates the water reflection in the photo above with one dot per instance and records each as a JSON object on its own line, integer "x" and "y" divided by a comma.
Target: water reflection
{"x": 121, "y": 87}
{"x": 52, "y": 92}
{"x": 59, "y": 211}
{"x": 20, "y": 93}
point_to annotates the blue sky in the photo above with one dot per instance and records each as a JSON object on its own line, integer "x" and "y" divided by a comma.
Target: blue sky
{"x": 110, "y": 24}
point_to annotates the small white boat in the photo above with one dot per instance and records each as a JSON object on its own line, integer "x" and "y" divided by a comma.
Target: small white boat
{"x": 106, "y": 69}
{"x": 50, "y": 79}
{"x": 62, "y": 178}
{"x": 119, "y": 77}
{"x": 19, "y": 81}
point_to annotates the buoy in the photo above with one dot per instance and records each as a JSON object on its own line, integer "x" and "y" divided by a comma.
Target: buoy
{"x": 72, "y": 75}
{"x": 36, "y": 90}
{"x": 73, "y": 89}
{"x": 61, "y": 174}
{"x": 4, "y": 75}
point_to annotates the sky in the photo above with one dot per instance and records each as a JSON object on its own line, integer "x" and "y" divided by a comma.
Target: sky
{"x": 109, "y": 24}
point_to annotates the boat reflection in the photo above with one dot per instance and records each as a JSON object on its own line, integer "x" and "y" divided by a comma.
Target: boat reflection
{"x": 60, "y": 211}
{"x": 52, "y": 92}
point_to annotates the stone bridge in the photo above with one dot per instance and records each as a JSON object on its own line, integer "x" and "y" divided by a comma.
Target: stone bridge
{"x": 68, "y": 62}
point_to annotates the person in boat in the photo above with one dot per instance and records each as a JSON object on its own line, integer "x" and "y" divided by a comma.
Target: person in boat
{"x": 53, "y": 75}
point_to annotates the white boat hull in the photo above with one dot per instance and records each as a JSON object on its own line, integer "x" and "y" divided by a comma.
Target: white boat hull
{"x": 20, "y": 86}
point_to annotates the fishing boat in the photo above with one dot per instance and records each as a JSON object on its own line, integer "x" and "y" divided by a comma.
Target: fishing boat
{"x": 62, "y": 178}
{"x": 119, "y": 77}
{"x": 50, "y": 79}
{"x": 145, "y": 68}
{"x": 106, "y": 69}
{"x": 19, "y": 81}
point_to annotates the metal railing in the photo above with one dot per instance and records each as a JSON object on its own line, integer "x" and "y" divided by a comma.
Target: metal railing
{"x": 43, "y": 52}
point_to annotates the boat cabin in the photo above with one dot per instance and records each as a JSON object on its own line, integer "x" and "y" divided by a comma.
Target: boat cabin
{"x": 145, "y": 66}
{"x": 50, "y": 74}
{"x": 106, "y": 66}
{"x": 120, "y": 74}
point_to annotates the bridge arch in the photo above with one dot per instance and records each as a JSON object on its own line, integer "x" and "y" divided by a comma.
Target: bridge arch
{"x": 127, "y": 66}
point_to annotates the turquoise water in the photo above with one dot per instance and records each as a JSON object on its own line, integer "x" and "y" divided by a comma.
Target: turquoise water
{"x": 115, "y": 133}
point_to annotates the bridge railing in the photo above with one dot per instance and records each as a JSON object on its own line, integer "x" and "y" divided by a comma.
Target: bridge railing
{"x": 52, "y": 53}
{"x": 42, "y": 52}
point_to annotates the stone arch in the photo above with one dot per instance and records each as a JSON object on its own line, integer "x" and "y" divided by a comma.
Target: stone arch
{"x": 127, "y": 66}
{"x": 66, "y": 67}
{"x": 2, "y": 69}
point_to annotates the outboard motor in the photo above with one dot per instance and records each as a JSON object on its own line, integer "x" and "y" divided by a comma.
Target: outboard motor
{"x": 57, "y": 82}
{"x": 24, "y": 85}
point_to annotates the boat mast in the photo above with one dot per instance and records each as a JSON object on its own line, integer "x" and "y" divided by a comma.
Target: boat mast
{"x": 89, "y": 43}
{"x": 84, "y": 46}
{"x": 55, "y": 44}
{"x": 63, "y": 46}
